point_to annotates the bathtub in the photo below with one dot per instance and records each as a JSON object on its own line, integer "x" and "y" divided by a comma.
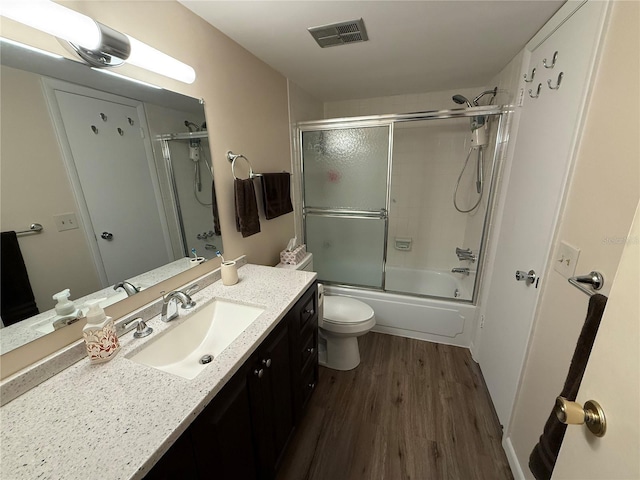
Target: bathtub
{"x": 436, "y": 320}
{"x": 435, "y": 283}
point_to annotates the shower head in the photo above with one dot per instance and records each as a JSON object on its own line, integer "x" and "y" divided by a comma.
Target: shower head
{"x": 461, "y": 100}
{"x": 191, "y": 126}
{"x": 493, "y": 92}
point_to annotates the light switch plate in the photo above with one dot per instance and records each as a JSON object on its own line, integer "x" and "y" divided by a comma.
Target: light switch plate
{"x": 65, "y": 221}
{"x": 566, "y": 259}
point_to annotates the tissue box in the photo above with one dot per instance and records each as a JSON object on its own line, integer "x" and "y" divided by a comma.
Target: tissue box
{"x": 295, "y": 256}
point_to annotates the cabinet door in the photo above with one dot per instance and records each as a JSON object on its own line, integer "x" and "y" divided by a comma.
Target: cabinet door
{"x": 272, "y": 399}
{"x": 177, "y": 464}
{"x": 222, "y": 434}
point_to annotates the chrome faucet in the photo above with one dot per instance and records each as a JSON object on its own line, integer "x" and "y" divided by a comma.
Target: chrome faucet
{"x": 465, "y": 254}
{"x": 128, "y": 287}
{"x": 176, "y": 296}
{"x": 463, "y": 270}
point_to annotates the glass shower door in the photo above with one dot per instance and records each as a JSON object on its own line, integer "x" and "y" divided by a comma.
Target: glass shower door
{"x": 346, "y": 174}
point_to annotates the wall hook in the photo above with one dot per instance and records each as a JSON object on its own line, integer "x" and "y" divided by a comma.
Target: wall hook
{"x": 560, "y": 77}
{"x": 553, "y": 61}
{"x": 537, "y": 91}
{"x": 530, "y": 79}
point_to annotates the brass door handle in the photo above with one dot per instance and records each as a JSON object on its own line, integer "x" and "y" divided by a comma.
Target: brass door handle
{"x": 571, "y": 413}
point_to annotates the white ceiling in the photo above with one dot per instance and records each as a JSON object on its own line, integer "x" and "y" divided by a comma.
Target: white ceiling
{"x": 413, "y": 47}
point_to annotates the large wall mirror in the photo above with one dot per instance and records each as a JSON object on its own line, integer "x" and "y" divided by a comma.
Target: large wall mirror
{"x": 117, "y": 173}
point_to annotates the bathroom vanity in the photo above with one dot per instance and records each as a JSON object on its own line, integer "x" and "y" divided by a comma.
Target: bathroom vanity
{"x": 126, "y": 420}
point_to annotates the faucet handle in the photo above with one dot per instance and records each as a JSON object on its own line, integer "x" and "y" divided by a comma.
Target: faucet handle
{"x": 192, "y": 289}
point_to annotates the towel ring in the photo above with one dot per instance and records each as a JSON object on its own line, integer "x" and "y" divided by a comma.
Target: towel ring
{"x": 232, "y": 157}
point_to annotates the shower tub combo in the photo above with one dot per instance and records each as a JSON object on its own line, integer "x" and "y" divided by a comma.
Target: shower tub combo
{"x": 396, "y": 209}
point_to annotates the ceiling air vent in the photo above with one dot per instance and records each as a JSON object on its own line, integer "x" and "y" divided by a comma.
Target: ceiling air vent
{"x": 339, "y": 33}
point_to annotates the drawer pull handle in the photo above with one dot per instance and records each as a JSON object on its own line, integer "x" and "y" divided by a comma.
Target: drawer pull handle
{"x": 266, "y": 362}
{"x": 311, "y": 350}
{"x": 258, "y": 373}
{"x": 309, "y": 312}
{"x": 312, "y": 386}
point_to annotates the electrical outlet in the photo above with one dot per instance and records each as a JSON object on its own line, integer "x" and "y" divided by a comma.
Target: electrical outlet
{"x": 65, "y": 221}
{"x": 566, "y": 259}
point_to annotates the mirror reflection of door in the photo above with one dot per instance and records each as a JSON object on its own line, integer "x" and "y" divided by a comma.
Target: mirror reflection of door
{"x": 107, "y": 144}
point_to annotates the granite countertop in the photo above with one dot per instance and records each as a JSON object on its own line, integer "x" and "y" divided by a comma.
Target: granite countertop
{"x": 115, "y": 420}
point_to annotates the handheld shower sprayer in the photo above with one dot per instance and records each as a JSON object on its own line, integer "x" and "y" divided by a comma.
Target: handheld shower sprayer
{"x": 461, "y": 100}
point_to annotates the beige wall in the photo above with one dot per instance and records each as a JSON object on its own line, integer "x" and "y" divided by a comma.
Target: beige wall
{"x": 35, "y": 187}
{"x": 246, "y": 108}
{"x": 600, "y": 206}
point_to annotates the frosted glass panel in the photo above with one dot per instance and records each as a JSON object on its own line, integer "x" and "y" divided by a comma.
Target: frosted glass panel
{"x": 347, "y": 250}
{"x": 346, "y": 168}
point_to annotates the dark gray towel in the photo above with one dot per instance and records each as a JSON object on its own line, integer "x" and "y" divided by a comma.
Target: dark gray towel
{"x": 214, "y": 210}
{"x": 16, "y": 297}
{"x": 276, "y": 194}
{"x": 247, "y": 221}
{"x": 545, "y": 453}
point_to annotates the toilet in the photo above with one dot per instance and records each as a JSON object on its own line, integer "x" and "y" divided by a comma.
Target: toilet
{"x": 341, "y": 320}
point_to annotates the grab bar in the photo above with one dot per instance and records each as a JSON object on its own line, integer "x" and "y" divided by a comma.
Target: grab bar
{"x": 33, "y": 228}
{"x": 595, "y": 279}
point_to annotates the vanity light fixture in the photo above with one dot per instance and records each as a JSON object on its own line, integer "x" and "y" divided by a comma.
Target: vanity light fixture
{"x": 117, "y": 75}
{"x": 30, "y": 48}
{"x": 98, "y": 45}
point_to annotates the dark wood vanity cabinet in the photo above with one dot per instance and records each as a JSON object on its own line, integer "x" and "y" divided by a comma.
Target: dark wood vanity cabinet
{"x": 244, "y": 431}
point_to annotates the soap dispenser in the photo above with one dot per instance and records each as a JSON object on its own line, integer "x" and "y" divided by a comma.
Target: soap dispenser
{"x": 100, "y": 334}
{"x": 66, "y": 311}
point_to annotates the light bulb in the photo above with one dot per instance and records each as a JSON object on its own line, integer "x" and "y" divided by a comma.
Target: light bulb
{"x": 55, "y": 20}
{"x": 144, "y": 56}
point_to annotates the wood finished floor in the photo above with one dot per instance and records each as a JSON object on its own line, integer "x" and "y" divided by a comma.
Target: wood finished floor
{"x": 411, "y": 410}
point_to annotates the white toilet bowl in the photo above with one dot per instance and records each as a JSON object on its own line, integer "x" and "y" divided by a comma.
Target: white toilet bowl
{"x": 341, "y": 321}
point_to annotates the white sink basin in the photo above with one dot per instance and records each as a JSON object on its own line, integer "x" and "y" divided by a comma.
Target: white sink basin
{"x": 206, "y": 332}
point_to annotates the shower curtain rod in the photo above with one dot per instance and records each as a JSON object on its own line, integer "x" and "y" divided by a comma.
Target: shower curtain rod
{"x": 182, "y": 136}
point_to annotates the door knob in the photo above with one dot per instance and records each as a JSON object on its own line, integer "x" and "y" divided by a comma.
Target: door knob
{"x": 528, "y": 277}
{"x": 107, "y": 235}
{"x": 571, "y": 413}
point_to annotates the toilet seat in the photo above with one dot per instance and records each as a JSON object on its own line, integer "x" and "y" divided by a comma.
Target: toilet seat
{"x": 346, "y": 311}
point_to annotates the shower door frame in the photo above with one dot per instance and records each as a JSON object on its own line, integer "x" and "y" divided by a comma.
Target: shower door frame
{"x": 502, "y": 113}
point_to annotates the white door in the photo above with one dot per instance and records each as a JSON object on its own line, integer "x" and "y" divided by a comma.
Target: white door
{"x": 545, "y": 143}
{"x": 612, "y": 379}
{"x": 110, "y": 159}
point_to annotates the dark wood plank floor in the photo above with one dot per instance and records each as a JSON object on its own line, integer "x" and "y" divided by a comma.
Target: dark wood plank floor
{"x": 411, "y": 410}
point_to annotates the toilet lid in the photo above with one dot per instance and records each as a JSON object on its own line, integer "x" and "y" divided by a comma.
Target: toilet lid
{"x": 346, "y": 310}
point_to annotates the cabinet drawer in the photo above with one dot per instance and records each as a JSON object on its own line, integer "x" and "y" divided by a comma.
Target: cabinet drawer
{"x": 309, "y": 347}
{"x": 309, "y": 380}
{"x": 309, "y": 308}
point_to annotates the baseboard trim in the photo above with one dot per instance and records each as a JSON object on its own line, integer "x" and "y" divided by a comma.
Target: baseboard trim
{"x": 516, "y": 469}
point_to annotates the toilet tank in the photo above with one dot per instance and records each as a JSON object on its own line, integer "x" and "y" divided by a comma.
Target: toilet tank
{"x": 306, "y": 264}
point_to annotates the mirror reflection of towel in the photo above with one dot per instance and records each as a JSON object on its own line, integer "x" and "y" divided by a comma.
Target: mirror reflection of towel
{"x": 276, "y": 194}
{"x": 214, "y": 210}
{"x": 16, "y": 297}
{"x": 247, "y": 221}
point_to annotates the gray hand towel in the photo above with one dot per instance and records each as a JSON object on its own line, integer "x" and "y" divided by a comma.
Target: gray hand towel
{"x": 247, "y": 221}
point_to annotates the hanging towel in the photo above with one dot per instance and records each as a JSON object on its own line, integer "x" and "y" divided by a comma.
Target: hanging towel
{"x": 214, "y": 209}
{"x": 544, "y": 455}
{"x": 247, "y": 221}
{"x": 16, "y": 297}
{"x": 275, "y": 194}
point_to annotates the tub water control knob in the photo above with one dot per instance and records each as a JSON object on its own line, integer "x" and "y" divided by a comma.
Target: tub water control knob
{"x": 528, "y": 277}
